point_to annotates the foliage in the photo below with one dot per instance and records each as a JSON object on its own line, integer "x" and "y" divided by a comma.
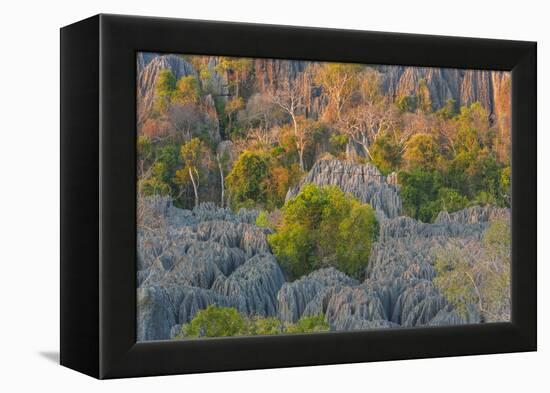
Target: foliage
{"x": 153, "y": 186}
{"x": 356, "y": 234}
{"x": 340, "y": 81}
{"x": 422, "y": 152}
{"x": 261, "y": 178}
{"x": 160, "y": 174}
{"x": 386, "y": 154}
{"x": 261, "y": 326}
{"x": 195, "y": 157}
{"x": 478, "y": 274}
{"x": 308, "y": 325}
{"x": 449, "y": 110}
{"x": 270, "y": 220}
{"x": 247, "y": 179}
{"x": 323, "y": 227}
{"x": 419, "y": 191}
{"x": 473, "y": 129}
{"x": 447, "y": 158}
{"x": 188, "y": 90}
{"x": 165, "y": 87}
{"x": 450, "y": 200}
{"x": 424, "y": 102}
{"x": 215, "y": 321}
{"x": 406, "y": 103}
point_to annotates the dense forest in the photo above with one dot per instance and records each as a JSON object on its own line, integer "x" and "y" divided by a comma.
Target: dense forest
{"x": 323, "y": 160}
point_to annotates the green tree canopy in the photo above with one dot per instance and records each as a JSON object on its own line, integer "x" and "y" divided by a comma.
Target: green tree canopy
{"x": 324, "y": 227}
{"x": 247, "y": 179}
{"x": 165, "y": 87}
{"x": 187, "y": 90}
{"x": 215, "y": 321}
{"x": 422, "y": 152}
{"x": 386, "y": 154}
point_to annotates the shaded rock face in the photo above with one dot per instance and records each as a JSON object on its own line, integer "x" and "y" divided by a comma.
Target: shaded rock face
{"x": 364, "y": 182}
{"x": 253, "y": 287}
{"x": 195, "y": 258}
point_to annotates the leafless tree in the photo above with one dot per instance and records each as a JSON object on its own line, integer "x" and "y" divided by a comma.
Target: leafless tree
{"x": 290, "y": 96}
{"x": 366, "y": 122}
{"x": 184, "y": 119}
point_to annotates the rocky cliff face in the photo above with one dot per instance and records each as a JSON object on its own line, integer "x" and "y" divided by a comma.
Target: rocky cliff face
{"x": 364, "y": 182}
{"x": 464, "y": 86}
{"x": 490, "y": 88}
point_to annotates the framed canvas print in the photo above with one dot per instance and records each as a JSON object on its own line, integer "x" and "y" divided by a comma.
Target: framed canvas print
{"x": 238, "y": 196}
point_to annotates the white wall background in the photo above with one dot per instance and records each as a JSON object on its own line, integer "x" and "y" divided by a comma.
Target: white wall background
{"x": 29, "y": 183}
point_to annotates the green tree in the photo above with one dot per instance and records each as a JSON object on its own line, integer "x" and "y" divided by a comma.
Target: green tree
{"x": 157, "y": 180}
{"x": 419, "y": 189}
{"x": 424, "y": 101}
{"x": 450, "y": 200}
{"x": 236, "y": 71}
{"x": 356, "y": 233}
{"x": 187, "y": 90}
{"x": 165, "y": 87}
{"x": 215, "y": 322}
{"x": 422, "y": 152}
{"x": 247, "y": 180}
{"x": 309, "y": 325}
{"x": 449, "y": 110}
{"x": 231, "y": 108}
{"x": 323, "y": 227}
{"x": 406, "y": 103}
{"x": 473, "y": 129}
{"x": 386, "y": 154}
{"x": 262, "y": 326}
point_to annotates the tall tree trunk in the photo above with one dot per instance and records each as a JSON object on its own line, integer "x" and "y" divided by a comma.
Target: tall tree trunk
{"x": 194, "y": 187}
{"x": 299, "y": 146}
{"x": 222, "y": 181}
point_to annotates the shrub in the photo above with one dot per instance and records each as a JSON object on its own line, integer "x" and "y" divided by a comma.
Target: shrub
{"x": 308, "y": 325}
{"x": 215, "y": 321}
{"x": 386, "y": 154}
{"x": 247, "y": 179}
{"x": 187, "y": 90}
{"x": 165, "y": 86}
{"x": 422, "y": 152}
{"x": 419, "y": 190}
{"x": 323, "y": 227}
{"x": 478, "y": 275}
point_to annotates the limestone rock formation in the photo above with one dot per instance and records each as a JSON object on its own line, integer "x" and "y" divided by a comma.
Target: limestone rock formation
{"x": 189, "y": 259}
{"x": 209, "y": 255}
{"x": 253, "y": 287}
{"x": 364, "y": 182}
{"x": 294, "y": 298}
{"x": 463, "y": 86}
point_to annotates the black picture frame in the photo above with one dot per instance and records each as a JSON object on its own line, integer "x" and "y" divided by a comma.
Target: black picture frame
{"x": 98, "y": 198}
